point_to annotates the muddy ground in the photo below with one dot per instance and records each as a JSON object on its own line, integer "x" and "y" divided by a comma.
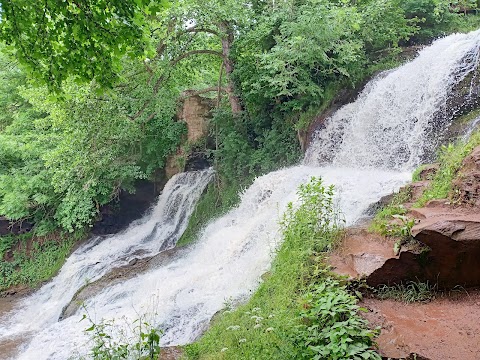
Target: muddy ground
{"x": 445, "y": 328}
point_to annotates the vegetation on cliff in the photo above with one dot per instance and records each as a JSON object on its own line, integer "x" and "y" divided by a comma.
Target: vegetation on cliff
{"x": 65, "y": 154}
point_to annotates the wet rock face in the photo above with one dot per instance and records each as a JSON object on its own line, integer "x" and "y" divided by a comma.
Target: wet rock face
{"x": 453, "y": 257}
{"x": 448, "y": 235}
{"x": 464, "y": 96}
{"x": 446, "y": 252}
{"x": 116, "y": 216}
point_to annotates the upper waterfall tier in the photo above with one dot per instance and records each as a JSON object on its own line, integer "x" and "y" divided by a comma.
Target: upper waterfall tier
{"x": 399, "y": 117}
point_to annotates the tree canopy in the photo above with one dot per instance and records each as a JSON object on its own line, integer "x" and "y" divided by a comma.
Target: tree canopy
{"x": 84, "y": 39}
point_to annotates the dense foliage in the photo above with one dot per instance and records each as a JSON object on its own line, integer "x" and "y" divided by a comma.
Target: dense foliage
{"x": 61, "y": 160}
{"x": 84, "y": 39}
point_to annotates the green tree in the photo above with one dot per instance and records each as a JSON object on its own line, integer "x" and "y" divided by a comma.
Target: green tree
{"x": 60, "y": 161}
{"x": 85, "y": 39}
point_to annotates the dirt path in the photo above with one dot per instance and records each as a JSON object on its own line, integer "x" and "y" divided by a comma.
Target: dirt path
{"x": 446, "y": 328}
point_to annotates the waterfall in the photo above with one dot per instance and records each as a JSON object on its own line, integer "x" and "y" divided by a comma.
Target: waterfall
{"x": 159, "y": 229}
{"x": 367, "y": 149}
{"x": 390, "y": 125}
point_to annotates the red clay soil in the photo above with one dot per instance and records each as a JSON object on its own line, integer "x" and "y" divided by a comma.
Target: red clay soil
{"x": 361, "y": 253}
{"x": 446, "y": 328}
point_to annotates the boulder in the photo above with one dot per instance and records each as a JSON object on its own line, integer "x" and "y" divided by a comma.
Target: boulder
{"x": 428, "y": 171}
{"x": 445, "y": 251}
{"x": 454, "y": 240}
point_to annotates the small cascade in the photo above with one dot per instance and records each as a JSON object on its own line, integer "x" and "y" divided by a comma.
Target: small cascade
{"x": 159, "y": 229}
{"x": 474, "y": 124}
{"x": 367, "y": 149}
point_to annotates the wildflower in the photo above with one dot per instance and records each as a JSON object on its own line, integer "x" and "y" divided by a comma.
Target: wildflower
{"x": 257, "y": 326}
{"x": 224, "y": 349}
{"x": 271, "y": 316}
{"x": 269, "y": 329}
{"x": 256, "y": 309}
{"x": 242, "y": 340}
{"x": 233, "y": 327}
{"x": 257, "y": 318}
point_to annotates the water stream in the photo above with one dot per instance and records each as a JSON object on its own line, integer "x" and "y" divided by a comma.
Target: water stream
{"x": 367, "y": 149}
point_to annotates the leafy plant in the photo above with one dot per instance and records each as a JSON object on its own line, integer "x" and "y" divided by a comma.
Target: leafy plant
{"x": 400, "y": 229}
{"x": 86, "y": 40}
{"x": 111, "y": 341}
{"x": 332, "y": 327}
{"x": 30, "y": 265}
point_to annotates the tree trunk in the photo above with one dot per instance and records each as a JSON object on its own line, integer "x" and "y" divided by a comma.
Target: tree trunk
{"x": 227, "y": 40}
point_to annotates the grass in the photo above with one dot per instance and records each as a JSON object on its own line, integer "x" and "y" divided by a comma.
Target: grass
{"x": 408, "y": 293}
{"x": 215, "y": 202}
{"x": 450, "y": 158}
{"x": 297, "y": 299}
{"x": 381, "y": 222}
{"x": 31, "y": 266}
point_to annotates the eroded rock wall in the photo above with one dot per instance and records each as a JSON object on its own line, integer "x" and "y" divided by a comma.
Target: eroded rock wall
{"x": 195, "y": 112}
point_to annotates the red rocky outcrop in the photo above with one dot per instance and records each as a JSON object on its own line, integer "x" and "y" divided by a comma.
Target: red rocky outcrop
{"x": 446, "y": 250}
{"x": 454, "y": 239}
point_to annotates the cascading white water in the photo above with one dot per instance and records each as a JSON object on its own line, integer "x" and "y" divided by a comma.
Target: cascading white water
{"x": 471, "y": 128}
{"x": 367, "y": 149}
{"x": 160, "y": 229}
{"x": 390, "y": 124}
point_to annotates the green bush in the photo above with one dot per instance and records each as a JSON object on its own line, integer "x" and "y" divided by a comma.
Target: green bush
{"x": 252, "y": 147}
{"x": 450, "y": 158}
{"x": 332, "y": 327}
{"x": 31, "y": 266}
{"x": 216, "y": 201}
